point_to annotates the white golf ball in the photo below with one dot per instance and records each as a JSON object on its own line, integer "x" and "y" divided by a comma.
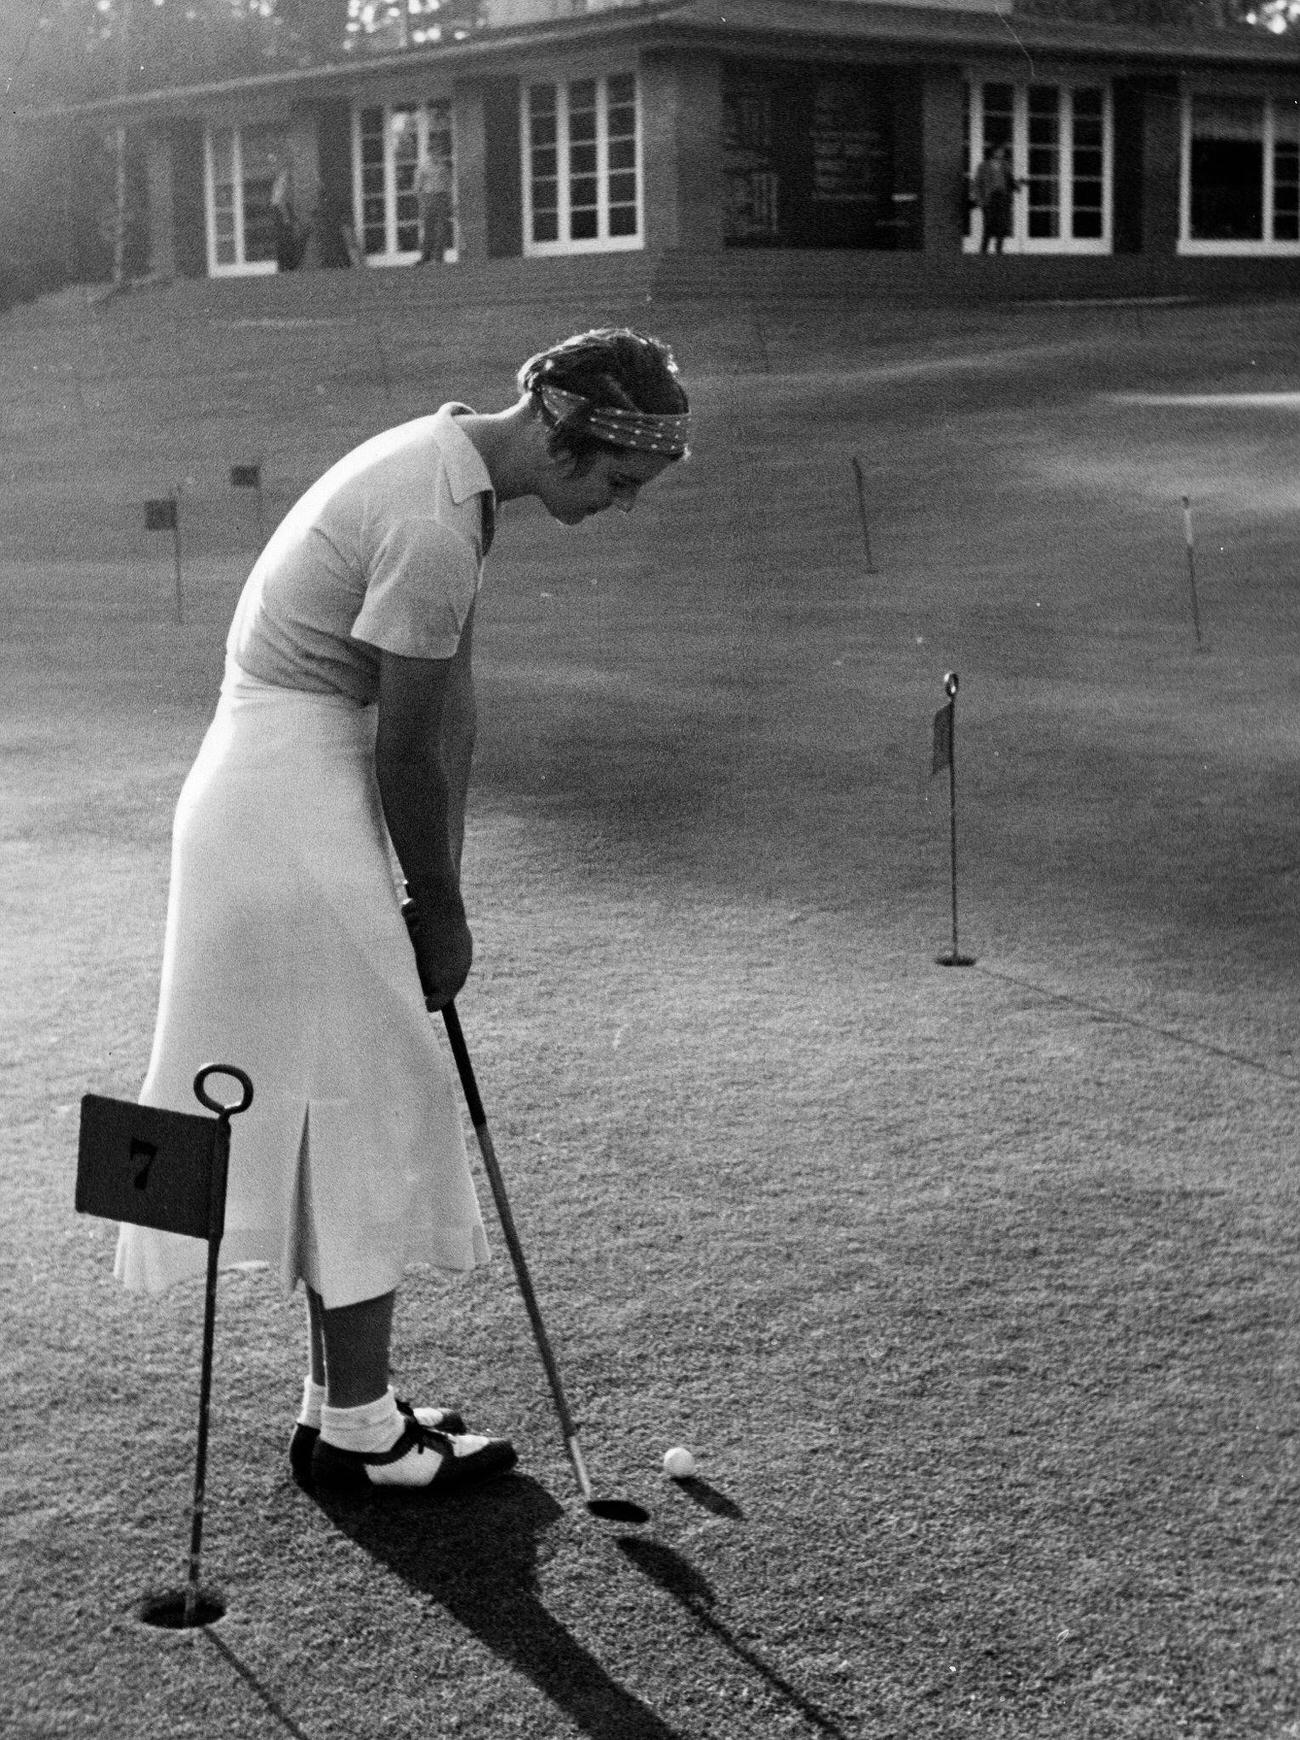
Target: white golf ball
{"x": 679, "y": 1463}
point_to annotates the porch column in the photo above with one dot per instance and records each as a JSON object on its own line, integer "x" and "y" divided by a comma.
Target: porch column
{"x": 943, "y": 218}
{"x": 469, "y": 147}
{"x": 489, "y": 185}
{"x": 681, "y": 147}
{"x": 1162, "y": 166}
{"x": 161, "y": 200}
{"x": 305, "y": 179}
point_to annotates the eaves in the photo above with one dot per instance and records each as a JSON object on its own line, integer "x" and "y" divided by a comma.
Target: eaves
{"x": 738, "y": 27}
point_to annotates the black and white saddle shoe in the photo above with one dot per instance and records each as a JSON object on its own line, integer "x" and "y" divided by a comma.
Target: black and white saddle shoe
{"x": 303, "y": 1441}
{"x": 422, "y": 1461}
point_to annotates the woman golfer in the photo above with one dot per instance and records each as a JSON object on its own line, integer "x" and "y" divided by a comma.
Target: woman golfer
{"x": 336, "y": 768}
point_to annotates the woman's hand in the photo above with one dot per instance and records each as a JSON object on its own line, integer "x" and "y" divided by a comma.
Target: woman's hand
{"x": 444, "y": 948}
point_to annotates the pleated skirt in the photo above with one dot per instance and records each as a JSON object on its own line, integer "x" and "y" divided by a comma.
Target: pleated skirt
{"x": 286, "y": 953}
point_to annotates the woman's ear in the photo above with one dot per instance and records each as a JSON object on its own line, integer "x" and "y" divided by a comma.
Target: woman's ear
{"x": 546, "y": 457}
{"x": 559, "y": 459}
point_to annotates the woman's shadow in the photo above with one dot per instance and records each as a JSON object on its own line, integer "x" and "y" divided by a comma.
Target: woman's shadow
{"x": 476, "y": 1554}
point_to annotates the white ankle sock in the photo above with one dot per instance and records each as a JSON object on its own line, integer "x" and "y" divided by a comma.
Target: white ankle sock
{"x": 313, "y": 1397}
{"x": 372, "y": 1427}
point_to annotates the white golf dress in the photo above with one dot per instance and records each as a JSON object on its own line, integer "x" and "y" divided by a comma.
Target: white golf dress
{"x": 285, "y": 950}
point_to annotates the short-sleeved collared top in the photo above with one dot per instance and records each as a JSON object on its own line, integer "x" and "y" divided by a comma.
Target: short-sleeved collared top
{"x": 384, "y": 552}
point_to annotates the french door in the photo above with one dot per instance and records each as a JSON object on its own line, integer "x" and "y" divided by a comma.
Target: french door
{"x": 1060, "y": 139}
{"x": 390, "y": 141}
{"x": 581, "y": 145}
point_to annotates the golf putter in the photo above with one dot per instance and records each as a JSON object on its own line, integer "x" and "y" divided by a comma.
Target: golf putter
{"x": 612, "y": 1509}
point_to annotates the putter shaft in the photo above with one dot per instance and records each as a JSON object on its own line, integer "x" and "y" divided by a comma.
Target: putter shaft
{"x": 465, "y": 1069}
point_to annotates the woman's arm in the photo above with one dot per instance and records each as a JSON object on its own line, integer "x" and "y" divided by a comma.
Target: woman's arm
{"x": 423, "y": 751}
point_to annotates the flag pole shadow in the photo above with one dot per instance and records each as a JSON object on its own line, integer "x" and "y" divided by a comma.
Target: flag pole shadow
{"x": 692, "y": 1589}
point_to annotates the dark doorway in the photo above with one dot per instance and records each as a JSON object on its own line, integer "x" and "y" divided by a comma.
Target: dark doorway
{"x": 821, "y": 156}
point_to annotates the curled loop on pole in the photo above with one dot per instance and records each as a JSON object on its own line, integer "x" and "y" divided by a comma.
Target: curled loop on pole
{"x": 222, "y": 1110}
{"x": 950, "y": 684}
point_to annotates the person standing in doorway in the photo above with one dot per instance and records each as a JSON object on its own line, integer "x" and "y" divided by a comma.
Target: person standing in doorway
{"x": 437, "y": 224}
{"x": 993, "y": 187}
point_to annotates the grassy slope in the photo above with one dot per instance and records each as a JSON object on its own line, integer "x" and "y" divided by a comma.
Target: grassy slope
{"x": 976, "y": 1292}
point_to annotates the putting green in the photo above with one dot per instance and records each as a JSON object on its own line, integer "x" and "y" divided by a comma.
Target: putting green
{"x": 973, "y": 1293}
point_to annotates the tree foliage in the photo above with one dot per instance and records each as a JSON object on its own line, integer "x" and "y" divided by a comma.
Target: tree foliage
{"x": 72, "y": 50}
{"x": 1276, "y": 15}
{"x": 1194, "y": 15}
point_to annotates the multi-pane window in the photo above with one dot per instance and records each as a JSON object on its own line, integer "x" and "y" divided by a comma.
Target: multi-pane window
{"x": 1286, "y": 172}
{"x": 247, "y": 173}
{"x": 1088, "y": 162}
{"x": 752, "y": 179}
{"x": 581, "y": 143}
{"x": 392, "y": 141}
{"x": 1241, "y": 175}
{"x": 1059, "y": 138}
{"x": 1043, "y": 163}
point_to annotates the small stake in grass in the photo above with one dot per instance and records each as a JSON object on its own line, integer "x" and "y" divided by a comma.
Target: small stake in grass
{"x": 162, "y": 514}
{"x": 862, "y": 512}
{"x": 600, "y": 625}
{"x": 945, "y": 755}
{"x": 249, "y": 477}
{"x": 1190, "y": 541}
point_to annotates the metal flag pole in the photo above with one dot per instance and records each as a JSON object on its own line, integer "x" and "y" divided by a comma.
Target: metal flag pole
{"x": 1190, "y": 541}
{"x": 945, "y": 749}
{"x": 862, "y": 512}
{"x": 176, "y": 545}
{"x": 250, "y": 477}
{"x": 216, "y": 1230}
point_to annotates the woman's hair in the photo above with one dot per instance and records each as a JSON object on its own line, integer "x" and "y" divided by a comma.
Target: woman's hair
{"x": 612, "y": 366}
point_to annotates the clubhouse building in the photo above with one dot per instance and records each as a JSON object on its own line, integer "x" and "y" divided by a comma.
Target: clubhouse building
{"x": 709, "y": 145}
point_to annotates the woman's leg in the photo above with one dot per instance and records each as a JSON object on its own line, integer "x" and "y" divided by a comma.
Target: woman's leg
{"x": 349, "y": 1348}
{"x": 365, "y": 1441}
{"x": 315, "y": 1338}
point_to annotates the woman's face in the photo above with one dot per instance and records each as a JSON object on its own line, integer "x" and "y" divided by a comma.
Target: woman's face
{"x": 570, "y": 492}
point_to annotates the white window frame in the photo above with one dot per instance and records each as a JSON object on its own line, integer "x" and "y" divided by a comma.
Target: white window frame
{"x": 1020, "y": 241}
{"x": 1190, "y": 245}
{"x": 392, "y": 254}
{"x": 602, "y": 242}
{"x": 239, "y": 267}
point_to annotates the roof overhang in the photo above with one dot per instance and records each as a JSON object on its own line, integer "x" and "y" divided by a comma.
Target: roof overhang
{"x": 828, "y": 27}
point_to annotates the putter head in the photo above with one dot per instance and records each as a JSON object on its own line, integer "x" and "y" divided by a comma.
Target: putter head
{"x": 620, "y": 1510}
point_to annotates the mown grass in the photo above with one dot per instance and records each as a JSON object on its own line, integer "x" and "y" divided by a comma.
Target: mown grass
{"x": 975, "y": 1292}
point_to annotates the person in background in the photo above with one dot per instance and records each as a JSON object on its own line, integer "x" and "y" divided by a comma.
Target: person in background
{"x": 993, "y": 187}
{"x": 437, "y": 223}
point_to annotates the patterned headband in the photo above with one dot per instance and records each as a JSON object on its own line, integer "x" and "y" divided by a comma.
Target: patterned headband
{"x": 642, "y": 430}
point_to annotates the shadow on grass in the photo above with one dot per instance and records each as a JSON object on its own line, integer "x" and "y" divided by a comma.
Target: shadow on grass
{"x": 1118, "y": 1016}
{"x": 680, "y": 1578}
{"x": 701, "y": 1493}
{"x": 251, "y": 1680}
{"x": 476, "y": 1554}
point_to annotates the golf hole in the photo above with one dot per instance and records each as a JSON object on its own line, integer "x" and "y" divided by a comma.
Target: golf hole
{"x": 618, "y": 1510}
{"x": 166, "y": 1609}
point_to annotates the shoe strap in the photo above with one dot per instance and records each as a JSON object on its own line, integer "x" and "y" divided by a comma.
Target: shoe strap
{"x": 414, "y": 1437}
